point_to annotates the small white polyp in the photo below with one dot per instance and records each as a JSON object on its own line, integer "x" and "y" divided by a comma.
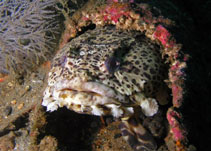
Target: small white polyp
{"x": 149, "y": 105}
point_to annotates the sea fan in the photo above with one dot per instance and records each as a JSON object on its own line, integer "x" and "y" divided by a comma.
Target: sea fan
{"x": 29, "y": 32}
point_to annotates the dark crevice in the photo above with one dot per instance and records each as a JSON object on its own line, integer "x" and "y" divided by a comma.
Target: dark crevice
{"x": 20, "y": 122}
{"x": 72, "y": 130}
{"x": 86, "y": 28}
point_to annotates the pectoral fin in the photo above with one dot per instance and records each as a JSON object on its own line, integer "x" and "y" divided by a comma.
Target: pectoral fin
{"x": 136, "y": 135}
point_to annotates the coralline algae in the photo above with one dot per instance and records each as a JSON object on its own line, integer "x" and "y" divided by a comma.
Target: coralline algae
{"x": 140, "y": 17}
{"x": 25, "y": 38}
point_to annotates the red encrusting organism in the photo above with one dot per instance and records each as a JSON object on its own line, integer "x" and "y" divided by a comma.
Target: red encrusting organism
{"x": 162, "y": 35}
{"x": 124, "y": 17}
{"x": 114, "y": 11}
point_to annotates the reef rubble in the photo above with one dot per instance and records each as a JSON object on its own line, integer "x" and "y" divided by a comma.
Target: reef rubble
{"x": 26, "y": 125}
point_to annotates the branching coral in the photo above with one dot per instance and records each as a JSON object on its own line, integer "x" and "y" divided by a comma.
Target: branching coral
{"x": 28, "y": 33}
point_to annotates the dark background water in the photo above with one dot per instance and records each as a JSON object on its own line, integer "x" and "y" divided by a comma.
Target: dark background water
{"x": 194, "y": 15}
{"x": 197, "y": 109}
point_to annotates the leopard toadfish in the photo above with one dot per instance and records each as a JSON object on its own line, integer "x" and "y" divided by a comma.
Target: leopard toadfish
{"x": 106, "y": 71}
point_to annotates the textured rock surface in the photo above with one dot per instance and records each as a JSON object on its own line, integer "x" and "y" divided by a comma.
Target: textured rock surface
{"x": 196, "y": 109}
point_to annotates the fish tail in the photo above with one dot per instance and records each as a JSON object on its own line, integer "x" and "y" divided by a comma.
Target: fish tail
{"x": 136, "y": 135}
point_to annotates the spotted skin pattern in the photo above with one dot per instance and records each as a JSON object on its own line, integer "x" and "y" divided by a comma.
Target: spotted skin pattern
{"x": 106, "y": 71}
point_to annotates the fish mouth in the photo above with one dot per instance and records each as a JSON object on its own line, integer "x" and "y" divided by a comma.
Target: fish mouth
{"x": 90, "y": 87}
{"x": 87, "y": 97}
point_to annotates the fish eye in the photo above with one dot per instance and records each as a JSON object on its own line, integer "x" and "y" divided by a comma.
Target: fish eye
{"x": 112, "y": 64}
